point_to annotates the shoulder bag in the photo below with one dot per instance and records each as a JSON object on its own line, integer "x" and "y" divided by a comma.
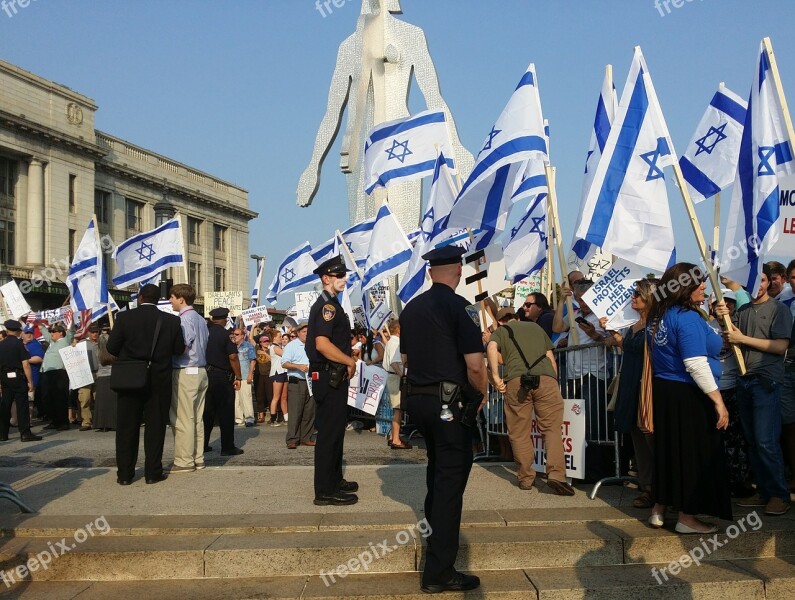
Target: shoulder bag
{"x": 134, "y": 375}
{"x": 528, "y": 381}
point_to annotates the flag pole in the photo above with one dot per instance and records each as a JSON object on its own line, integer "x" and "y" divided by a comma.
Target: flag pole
{"x": 779, "y": 88}
{"x": 259, "y": 286}
{"x": 716, "y": 227}
{"x": 702, "y": 247}
{"x": 184, "y": 254}
{"x": 99, "y": 253}
{"x": 553, "y": 211}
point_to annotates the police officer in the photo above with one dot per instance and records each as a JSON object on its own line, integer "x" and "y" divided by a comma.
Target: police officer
{"x": 16, "y": 380}
{"x": 328, "y": 347}
{"x": 455, "y": 356}
{"x": 223, "y": 379}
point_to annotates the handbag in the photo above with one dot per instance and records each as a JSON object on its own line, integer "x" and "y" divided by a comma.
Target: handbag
{"x": 130, "y": 375}
{"x": 645, "y": 406}
{"x": 528, "y": 381}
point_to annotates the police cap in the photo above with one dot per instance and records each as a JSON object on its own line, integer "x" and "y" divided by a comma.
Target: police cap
{"x": 12, "y": 325}
{"x": 446, "y": 255}
{"x": 333, "y": 266}
{"x": 219, "y": 313}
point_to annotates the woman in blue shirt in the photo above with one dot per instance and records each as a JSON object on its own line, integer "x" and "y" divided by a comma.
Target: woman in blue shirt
{"x": 690, "y": 472}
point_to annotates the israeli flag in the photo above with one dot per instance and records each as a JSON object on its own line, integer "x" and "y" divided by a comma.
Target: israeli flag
{"x": 389, "y": 250}
{"x": 102, "y": 310}
{"x": 710, "y": 162}
{"x": 606, "y": 108}
{"x": 145, "y": 255}
{"x": 356, "y": 237}
{"x": 86, "y": 280}
{"x": 257, "y": 283}
{"x": 765, "y": 155}
{"x": 405, "y": 149}
{"x": 525, "y": 251}
{"x": 379, "y": 315}
{"x": 518, "y": 135}
{"x": 440, "y": 200}
{"x": 296, "y": 270}
{"x": 626, "y": 212}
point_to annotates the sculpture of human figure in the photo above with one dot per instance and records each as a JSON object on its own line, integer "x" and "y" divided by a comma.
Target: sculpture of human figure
{"x": 372, "y": 78}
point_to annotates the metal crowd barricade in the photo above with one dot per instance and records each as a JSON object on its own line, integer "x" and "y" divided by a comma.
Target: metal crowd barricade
{"x": 584, "y": 372}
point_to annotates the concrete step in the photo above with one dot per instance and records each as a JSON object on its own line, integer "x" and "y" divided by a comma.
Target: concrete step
{"x": 758, "y": 579}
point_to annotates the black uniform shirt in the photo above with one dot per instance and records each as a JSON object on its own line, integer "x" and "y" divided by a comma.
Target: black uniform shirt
{"x": 12, "y": 353}
{"x": 327, "y": 319}
{"x": 435, "y": 333}
{"x": 219, "y": 347}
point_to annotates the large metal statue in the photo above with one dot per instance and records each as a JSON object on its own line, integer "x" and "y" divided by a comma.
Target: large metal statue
{"x": 372, "y": 78}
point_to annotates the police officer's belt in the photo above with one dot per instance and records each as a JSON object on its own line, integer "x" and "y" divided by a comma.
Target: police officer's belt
{"x": 211, "y": 369}
{"x": 424, "y": 390}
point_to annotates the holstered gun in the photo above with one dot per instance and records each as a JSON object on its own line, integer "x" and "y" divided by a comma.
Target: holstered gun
{"x": 337, "y": 374}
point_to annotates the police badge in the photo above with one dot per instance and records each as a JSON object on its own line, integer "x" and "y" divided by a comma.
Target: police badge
{"x": 328, "y": 312}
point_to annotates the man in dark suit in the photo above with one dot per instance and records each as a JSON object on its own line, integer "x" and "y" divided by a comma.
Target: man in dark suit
{"x": 131, "y": 339}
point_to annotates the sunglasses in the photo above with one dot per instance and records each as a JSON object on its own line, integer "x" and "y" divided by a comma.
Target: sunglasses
{"x": 529, "y": 304}
{"x": 636, "y": 294}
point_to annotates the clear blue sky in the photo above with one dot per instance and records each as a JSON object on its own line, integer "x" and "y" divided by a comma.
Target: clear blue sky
{"x": 238, "y": 88}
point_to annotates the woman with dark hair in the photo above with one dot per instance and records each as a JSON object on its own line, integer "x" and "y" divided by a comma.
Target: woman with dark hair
{"x": 690, "y": 472}
{"x": 536, "y": 308}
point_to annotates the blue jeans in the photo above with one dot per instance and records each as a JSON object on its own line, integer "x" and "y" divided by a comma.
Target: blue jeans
{"x": 760, "y": 413}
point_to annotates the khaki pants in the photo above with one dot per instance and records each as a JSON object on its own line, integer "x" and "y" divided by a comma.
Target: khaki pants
{"x": 244, "y": 406}
{"x": 85, "y": 396}
{"x": 548, "y": 405}
{"x": 188, "y": 394}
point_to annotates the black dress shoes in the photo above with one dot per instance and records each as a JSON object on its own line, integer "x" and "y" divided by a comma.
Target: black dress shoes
{"x": 64, "y": 427}
{"x": 337, "y": 499}
{"x": 158, "y": 479}
{"x": 124, "y": 481}
{"x": 232, "y": 452}
{"x": 458, "y": 583}
{"x": 348, "y": 487}
{"x": 29, "y": 437}
{"x": 3, "y": 438}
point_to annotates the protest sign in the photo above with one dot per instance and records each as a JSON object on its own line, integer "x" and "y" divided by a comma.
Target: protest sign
{"x": 785, "y": 245}
{"x": 358, "y": 317}
{"x": 231, "y": 300}
{"x": 53, "y": 316}
{"x": 528, "y": 285}
{"x": 573, "y": 433}
{"x": 611, "y": 295}
{"x": 366, "y": 387}
{"x": 254, "y": 316}
{"x": 303, "y": 303}
{"x": 17, "y": 305}
{"x": 75, "y": 362}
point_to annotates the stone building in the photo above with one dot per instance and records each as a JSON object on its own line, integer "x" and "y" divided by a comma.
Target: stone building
{"x": 56, "y": 170}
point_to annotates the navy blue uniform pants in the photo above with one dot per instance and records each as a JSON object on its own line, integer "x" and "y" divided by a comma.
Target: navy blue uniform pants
{"x": 55, "y": 391}
{"x": 220, "y": 402}
{"x": 331, "y": 412}
{"x": 449, "y": 448}
{"x": 14, "y": 394}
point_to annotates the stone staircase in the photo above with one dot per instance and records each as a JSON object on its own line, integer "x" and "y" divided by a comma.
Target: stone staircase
{"x": 544, "y": 553}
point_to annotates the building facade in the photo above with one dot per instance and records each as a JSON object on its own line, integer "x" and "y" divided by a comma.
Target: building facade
{"x": 57, "y": 170}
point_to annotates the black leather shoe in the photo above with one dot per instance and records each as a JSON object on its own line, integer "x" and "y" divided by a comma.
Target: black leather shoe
{"x": 458, "y": 583}
{"x": 348, "y": 487}
{"x": 49, "y": 426}
{"x": 3, "y": 438}
{"x": 232, "y": 452}
{"x": 338, "y": 499}
{"x": 158, "y": 479}
{"x": 124, "y": 481}
{"x": 64, "y": 427}
{"x": 29, "y": 437}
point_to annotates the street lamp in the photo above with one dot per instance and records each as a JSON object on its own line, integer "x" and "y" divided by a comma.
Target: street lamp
{"x": 258, "y": 281}
{"x": 164, "y": 211}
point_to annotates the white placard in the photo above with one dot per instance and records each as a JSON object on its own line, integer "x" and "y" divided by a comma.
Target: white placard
{"x": 785, "y": 244}
{"x": 359, "y": 318}
{"x": 366, "y": 387}
{"x": 231, "y": 300}
{"x": 75, "y": 361}
{"x": 493, "y": 283}
{"x": 524, "y": 287}
{"x": 53, "y": 316}
{"x": 303, "y": 304}
{"x": 593, "y": 266}
{"x": 572, "y": 431}
{"x": 17, "y": 305}
{"x": 255, "y": 316}
{"x": 611, "y": 295}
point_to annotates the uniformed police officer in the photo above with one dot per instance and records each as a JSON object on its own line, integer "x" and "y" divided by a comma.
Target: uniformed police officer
{"x": 17, "y": 381}
{"x": 328, "y": 347}
{"x": 440, "y": 343}
{"x": 223, "y": 380}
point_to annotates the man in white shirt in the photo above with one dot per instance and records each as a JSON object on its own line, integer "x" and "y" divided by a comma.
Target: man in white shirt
{"x": 393, "y": 365}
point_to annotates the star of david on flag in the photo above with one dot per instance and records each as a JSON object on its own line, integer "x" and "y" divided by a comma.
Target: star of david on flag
{"x": 388, "y": 158}
{"x": 626, "y": 211}
{"x": 294, "y": 271}
{"x": 525, "y": 251}
{"x": 145, "y": 255}
{"x": 710, "y": 161}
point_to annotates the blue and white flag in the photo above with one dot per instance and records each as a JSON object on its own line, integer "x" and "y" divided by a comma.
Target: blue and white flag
{"x": 379, "y": 315}
{"x": 766, "y": 154}
{"x": 87, "y": 281}
{"x": 405, "y": 149}
{"x": 606, "y": 109}
{"x": 102, "y": 310}
{"x": 440, "y": 200}
{"x": 147, "y": 254}
{"x": 389, "y": 250}
{"x": 518, "y": 135}
{"x": 356, "y": 237}
{"x": 626, "y": 212}
{"x": 257, "y": 283}
{"x": 525, "y": 251}
{"x": 709, "y": 163}
{"x": 296, "y": 270}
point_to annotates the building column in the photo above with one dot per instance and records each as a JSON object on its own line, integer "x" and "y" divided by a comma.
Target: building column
{"x": 35, "y": 221}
